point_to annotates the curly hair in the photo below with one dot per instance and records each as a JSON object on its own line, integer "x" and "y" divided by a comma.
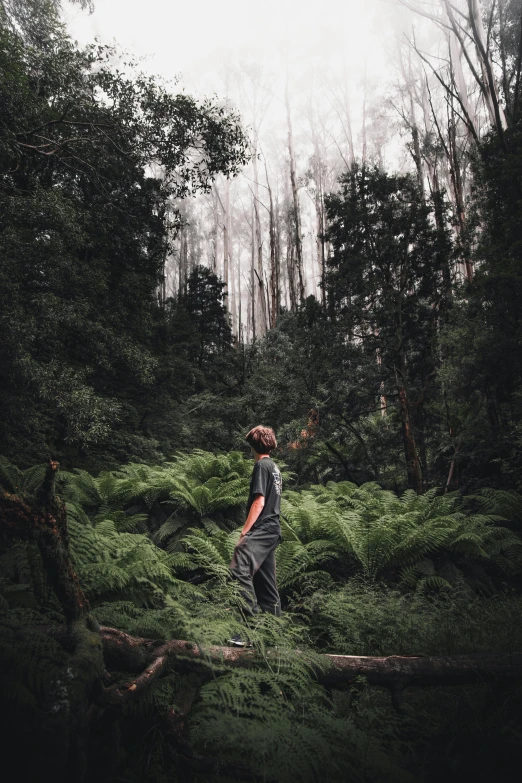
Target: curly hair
{"x": 262, "y": 439}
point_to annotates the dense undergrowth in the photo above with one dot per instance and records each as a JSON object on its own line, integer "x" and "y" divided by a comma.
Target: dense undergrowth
{"x": 361, "y": 571}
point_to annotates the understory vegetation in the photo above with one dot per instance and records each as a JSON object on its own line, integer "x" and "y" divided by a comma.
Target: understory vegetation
{"x": 361, "y": 571}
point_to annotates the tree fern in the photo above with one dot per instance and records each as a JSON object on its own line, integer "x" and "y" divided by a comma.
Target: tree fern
{"x": 19, "y": 481}
{"x": 113, "y": 563}
{"x": 197, "y": 489}
{"x": 382, "y": 531}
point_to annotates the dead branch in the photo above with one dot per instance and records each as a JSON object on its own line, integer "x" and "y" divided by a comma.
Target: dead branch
{"x": 119, "y": 695}
{"x": 468, "y": 121}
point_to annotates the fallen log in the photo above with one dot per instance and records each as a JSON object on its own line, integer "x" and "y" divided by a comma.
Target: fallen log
{"x": 396, "y": 672}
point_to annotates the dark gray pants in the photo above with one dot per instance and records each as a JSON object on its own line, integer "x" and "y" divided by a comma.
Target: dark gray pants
{"x": 253, "y": 565}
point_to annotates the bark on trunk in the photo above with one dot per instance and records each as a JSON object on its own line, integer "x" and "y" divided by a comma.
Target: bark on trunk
{"x": 275, "y": 266}
{"x": 320, "y": 224}
{"x": 410, "y": 448}
{"x": 296, "y": 207}
{"x": 226, "y": 245}
{"x": 259, "y": 303}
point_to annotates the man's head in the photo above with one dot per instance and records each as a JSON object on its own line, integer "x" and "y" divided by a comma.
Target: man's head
{"x": 262, "y": 439}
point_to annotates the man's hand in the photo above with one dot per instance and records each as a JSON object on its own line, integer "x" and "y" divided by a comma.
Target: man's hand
{"x": 253, "y": 515}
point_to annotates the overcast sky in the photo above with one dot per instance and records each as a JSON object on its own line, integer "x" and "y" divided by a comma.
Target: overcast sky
{"x": 184, "y": 37}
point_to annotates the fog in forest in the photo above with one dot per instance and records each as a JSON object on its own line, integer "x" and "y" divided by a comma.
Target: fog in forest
{"x": 316, "y": 91}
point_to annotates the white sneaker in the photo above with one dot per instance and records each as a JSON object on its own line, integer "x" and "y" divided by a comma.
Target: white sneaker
{"x": 238, "y": 641}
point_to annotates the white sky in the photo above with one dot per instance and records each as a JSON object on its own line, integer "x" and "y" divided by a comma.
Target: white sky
{"x": 180, "y": 37}
{"x": 319, "y": 44}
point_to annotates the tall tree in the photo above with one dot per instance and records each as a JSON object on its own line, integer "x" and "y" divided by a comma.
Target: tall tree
{"x": 296, "y": 262}
{"x": 84, "y": 228}
{"x": 386, "y": 287}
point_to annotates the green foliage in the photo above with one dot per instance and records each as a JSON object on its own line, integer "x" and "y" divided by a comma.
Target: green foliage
{"x": 362, "y": 618}
{"x": 210, "y": 333}
{"x": 380, "y": 535}
{"x": 84, "y": 239}
{"x": 286, "y": 730}
{"x": 200, "y": 489}
{"x": 116, "y": 564}
{"x": 109, "y": 379}
{"x": 17, "y": 481}
{"x": 32, "y": 661}
{"x": 343, "y": 571}
{"x": 206, "y": 490}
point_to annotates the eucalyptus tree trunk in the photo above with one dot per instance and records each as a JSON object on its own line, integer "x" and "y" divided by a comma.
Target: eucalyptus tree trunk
{"x": 410, "y": 117}
{"x": 227, "y": 239}
{"x": 260, "y": 302}
{"x": 483, "y": 74}
{"x": 275, "y": 258}
{"x": 318, "y": 173}
{"x": 215, "y": 230}
{"x": 321, "y": 250}
{"x": 290, "y": 266}
{"x": 364, "y": 135}
{"x": 413, "y": 466}
{"x": 347, "y": 124}
{"x": 457, "y": 75}
{"x": 232, "y": 280}
{"x": 490, "y": 90}
{"x": 298, "y": 245}
{"x": 449, "y": 142}
{"x": 291, "y": 295}
{"x": 239, "y": 295}
{"x": 415, "y": 136}
{"x": 284, "y": 294}
{"x": 183, "y": 253}
{"x": 253, "y": 287}
{"x": 458, "y": 192}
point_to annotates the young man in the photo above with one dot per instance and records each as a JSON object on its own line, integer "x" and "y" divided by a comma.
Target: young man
{"x": 253, "y": 562}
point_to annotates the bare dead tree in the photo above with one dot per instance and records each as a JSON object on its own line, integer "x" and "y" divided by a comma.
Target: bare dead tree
{"x": 297, "y": 259}
{"x": 275, "y": 255}
{"x": 465, "y": 31}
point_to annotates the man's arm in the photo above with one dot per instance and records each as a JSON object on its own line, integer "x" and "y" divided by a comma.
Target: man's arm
{"x": 255, "y": 509}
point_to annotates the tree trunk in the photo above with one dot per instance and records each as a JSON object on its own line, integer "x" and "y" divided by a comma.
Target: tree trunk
{"x": 275, "y": 268}
{"x": 413, "y": 466}
{"x": 364, "y": 135}
{"x": 260, "y": 303}
{"x": 496, "y": 112}
{"x": 253, "y": 286}
{"x": 460, "y": 83}
{"x": 458, "y": 192}
{"x": 320, "y": 223}
{"x": 61, "y": 711}
{"x": 296, "y": 207}
{"x": 227, "y": 239}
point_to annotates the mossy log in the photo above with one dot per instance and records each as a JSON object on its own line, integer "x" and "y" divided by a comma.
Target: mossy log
{"x": 395, "y": 672}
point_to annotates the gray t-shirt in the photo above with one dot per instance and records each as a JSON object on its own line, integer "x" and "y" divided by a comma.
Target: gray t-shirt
{"x": 266, "y": 480}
